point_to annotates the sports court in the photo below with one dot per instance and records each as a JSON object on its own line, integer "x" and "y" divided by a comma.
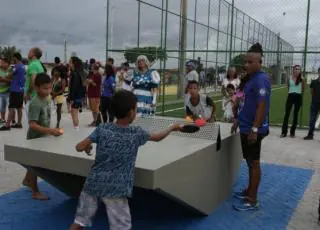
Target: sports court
{"x": 288, "y": 196}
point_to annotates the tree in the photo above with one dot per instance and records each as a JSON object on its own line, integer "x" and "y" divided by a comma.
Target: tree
{"x": 238, "y": 62}
{"x": 8, "y": 51}
{"x": 151, "y": 52}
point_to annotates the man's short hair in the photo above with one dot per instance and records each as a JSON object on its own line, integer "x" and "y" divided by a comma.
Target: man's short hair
{"x": 42, "y": 79}
{"x": 111, "y": 60}
{"x": 57, "y": 60}
{"x": 17, "y": 56}
{"x": 122, "y": 102}
{"x": 193, "y": 82}
{"x": 37, "y": 52}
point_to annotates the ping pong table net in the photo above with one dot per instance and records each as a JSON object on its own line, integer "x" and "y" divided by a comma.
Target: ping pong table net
{"x": 211, "y": 131}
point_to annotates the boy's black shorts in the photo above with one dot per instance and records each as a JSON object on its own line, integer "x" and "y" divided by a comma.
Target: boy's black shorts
{"x": 251, "y": 151}
{"x": 16, "y": 100}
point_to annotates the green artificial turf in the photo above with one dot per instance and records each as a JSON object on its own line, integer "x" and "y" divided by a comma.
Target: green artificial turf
{"x": 278, "y": 100}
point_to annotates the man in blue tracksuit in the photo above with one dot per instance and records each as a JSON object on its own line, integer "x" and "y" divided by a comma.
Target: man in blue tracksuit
{"x": 253, "y": 121}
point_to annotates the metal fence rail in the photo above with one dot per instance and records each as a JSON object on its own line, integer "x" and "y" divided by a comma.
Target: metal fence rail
{"x": 213, "y": 32}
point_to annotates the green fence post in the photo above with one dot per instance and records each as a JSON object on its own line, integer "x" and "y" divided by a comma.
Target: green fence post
{"x": 217, "y": 52}
{"x": 235, "y": 30}
{"x": 161, "y": 64}
{"x": 183, "y": 45}
{"x": 305, "y": 55}
{"x": 248, "y": 42}
{"x": 165, "y": 48}
{"x": 139, "y": 16}
{"x": 242, "y": 30}
{"x": 107, "y": 29}
{"x": 227, "y": 48}
{"x": 208, "y": 30}
{"x": 231, "y": 32}
{"x": 194, "y": 28}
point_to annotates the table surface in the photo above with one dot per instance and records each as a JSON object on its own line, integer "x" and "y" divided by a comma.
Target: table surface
{"x": 151, "y": 156}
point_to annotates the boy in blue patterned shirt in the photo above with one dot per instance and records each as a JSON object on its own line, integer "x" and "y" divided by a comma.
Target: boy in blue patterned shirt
{"x": 112, "y": 174}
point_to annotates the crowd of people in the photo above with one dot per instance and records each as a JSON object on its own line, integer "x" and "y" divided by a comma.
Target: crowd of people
{"x": 76, "y": 84}
{"x": 116, "y": 99}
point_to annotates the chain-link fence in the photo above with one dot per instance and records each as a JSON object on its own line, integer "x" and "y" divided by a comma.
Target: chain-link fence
{"x": 213, "y": 33}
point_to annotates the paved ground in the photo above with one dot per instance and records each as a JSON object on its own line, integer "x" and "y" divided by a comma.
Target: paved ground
{"x": 291, "y": 152}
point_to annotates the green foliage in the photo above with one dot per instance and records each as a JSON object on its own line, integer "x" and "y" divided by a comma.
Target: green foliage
{"x": 8, "y": 51}
{"x": 267, "y": 70}
{"x": 151, "y": 52}
{"x": 238, "y": 62}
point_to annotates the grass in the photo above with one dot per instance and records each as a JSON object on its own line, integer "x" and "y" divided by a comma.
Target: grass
{"x": 278, "y": 101}
{"x": 171, "y": 94}
{"x": 277, "y": 109}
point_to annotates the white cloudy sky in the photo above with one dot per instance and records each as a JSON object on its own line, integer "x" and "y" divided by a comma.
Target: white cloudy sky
{"x": 26, "y": 23}
{"x": 292, "y": 25}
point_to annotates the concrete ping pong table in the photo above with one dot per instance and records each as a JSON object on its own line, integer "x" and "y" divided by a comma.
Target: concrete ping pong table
{"x": 187, "y": 168}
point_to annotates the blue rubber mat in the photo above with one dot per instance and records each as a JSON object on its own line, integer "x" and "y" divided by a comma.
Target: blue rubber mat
{"x": 280, "y": 192}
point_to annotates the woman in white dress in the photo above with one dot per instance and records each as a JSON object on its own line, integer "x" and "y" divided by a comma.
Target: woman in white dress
{"x": 145, "y": 84}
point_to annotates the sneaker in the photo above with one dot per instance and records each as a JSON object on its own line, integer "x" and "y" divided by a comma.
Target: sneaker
{"x": 240, "y": 195}
{"x": 246, "y": 206}
{"x": 308, "y": 138}
{"x": 292, "y": 135}
{"x": 5, "y": 128}
{"x": 77, "y": 128}
{"x": 283, "y": 135}
{"x": 16, "y": 126}
{"x": 92, "y": 124}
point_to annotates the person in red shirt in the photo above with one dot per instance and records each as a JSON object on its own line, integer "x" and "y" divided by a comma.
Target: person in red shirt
{"x": 94, "y": 93}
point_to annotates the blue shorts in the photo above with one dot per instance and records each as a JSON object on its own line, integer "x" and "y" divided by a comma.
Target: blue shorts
{"x": 4, "y": 99}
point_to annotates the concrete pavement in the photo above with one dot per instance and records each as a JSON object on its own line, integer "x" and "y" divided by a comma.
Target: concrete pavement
{"x": 291, "y": 152}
